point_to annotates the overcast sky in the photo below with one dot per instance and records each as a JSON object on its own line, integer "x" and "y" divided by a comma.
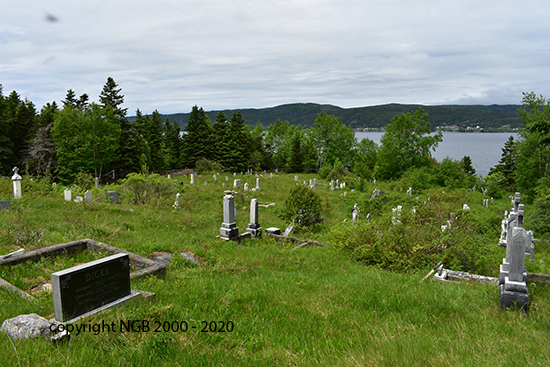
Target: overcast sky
{"x": 172, "y": 54}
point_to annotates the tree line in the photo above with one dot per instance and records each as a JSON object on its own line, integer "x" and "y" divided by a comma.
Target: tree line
{"x": 97, "y": 138}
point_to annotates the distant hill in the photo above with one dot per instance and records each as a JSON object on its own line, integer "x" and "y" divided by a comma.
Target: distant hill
{"x": 491, "y": 117}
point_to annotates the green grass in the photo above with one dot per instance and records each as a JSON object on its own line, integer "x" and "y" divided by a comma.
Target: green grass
{"x": 311, "y": 306}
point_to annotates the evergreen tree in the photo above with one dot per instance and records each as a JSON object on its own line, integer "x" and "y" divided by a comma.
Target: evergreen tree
{"x": 295, "y": 161}
{"x": 110, "y": 97}
{"x": 466, "y": 165}
{"x": 197, "y": 143}
{"x": 70, "y": 99}
{"x": 505, "y": 170}
{"x": 172, "y": 144}
{"x": 153, "y": 135}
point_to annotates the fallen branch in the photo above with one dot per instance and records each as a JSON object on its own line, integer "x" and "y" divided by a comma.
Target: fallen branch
{"x": 279, "y": 237}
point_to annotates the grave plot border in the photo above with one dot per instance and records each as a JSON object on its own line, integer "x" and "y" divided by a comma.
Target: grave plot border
{"x": 145, "y": 266}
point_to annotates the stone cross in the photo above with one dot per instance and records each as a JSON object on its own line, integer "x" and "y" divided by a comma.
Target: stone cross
{"x": 254, "y": 227}
{"x": 229, "y": 228}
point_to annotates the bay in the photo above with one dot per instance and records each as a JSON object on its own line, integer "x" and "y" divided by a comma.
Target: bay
{"x": 485, "y": 149}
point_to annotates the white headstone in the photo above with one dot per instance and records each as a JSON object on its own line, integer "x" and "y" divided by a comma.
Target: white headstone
{"x": 258, "y": 184}
{"x": 215, "y": 178}
{"x": 68, "y": 196}
{"x": 254, "y": 226}
{"x": 88, "y": 197}
{"x": 246, "y": 186}
{"x": 229, "y": 228}
{"x": 192, "y": 179}
{"x": 16, "y": 178}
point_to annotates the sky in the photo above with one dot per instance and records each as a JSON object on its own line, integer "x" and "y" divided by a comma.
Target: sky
{"x": 169, "y": 55}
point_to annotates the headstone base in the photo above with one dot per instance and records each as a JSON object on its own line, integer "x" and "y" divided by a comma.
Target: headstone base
{"x": 510, "y": 299}
{"x": 229, "y": 232}
{"x": 116, "y": 303}
{"x": 273, "y": 230}
{"x": 255, "y": 232}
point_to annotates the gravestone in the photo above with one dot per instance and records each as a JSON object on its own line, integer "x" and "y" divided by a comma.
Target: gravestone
{"x": 254, "y": 227}
{"x": 410, "y": 192}
{"x": 88, "y": 197}
{"x": 273, "y": 230}
{"x": 513, "y": 289}
{"x": 289, "y": 230}
{"x": 192, "y": 179}
{"x": 91, "y": 286}
{"x": 503, "y": 230}
{"x": 226, "y": 178}
{"x": 97, "y": 182}
{"x": 331, "y": 184}
{"x": 258, "y": 184}
{"x": 271, "y": 175}
{"x": 177, "y": 202}
{"x": 295, "y": 178}
{"x": 246, "y": 186}
{"x": 114, "y": 197}
{"x": 368, "y": 218}
{"x": 215, "y": 178}
{"x": 354, "y": 214}
{"x": 236, "y": 182}
{"x": 16, "y": 178}
{"x": 229, "y": 228}
{"x": 68, "y": 195}
{"x": 5, "y": 204}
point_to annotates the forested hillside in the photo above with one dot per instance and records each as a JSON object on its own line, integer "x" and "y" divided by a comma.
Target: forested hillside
{"x": 374, "y": 117}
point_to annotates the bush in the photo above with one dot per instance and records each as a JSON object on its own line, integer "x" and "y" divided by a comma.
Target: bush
{"x": 303, "y": 206}
{"x": 151, "y": 189}
{"x": 206, "y": 166}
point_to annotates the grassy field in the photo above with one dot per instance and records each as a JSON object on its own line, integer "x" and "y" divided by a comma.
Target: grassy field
{"x": 310, "y": 306}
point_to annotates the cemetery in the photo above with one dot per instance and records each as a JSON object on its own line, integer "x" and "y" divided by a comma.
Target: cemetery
{"x": 305, "y": 270}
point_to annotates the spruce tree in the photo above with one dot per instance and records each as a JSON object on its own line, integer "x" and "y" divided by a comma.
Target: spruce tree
{"x": 110, "y": 96}
{"x": 197, "y": 143}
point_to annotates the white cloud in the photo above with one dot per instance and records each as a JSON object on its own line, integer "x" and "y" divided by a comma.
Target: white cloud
{"x": 170, "y": 55}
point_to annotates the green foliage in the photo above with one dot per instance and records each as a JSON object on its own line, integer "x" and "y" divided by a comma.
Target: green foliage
{"x": 365, "y": 158}
{"x": 154, "y": 190}
{"x": 539, "y": 218}
{"x": 84, "y": 180}
{"x": 417, "y": 240}
{"x": 406, "y": 143}
{"x": 85, "y": 141}
{"x": 466, "y": 165}
{"x": 333, "y": 140}
{"x": 205, "y": 166}
{"x": 303, "y": 207}
{"x": 504, "y": 172}
{"x": 197, "y": 143}
{"x": 447, "y": 173}
{"x": 338, "y": 172}
{"x": 493, "y": 188}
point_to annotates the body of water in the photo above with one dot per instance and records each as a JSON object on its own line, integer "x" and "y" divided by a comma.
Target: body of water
{"x": 485, "y": 149}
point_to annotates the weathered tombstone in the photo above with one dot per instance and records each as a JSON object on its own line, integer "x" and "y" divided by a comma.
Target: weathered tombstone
{"x": 503, "y": 230}
{"x": 177, "y": 202}
{"x": 215, "y": 178}
{"x": 114, "y": 197}
{"x": 374, "y": 180}
{"x": 258, "y": 184}
{"x": 205, "y": 183}
{"x": 5, "y": 204}
{"x": 229, "y": 228}
{"x": 513, "y": 291}
{"x": 223, "y": 185}
{"x": 276, "y": 170}
{"x": 16, "y": 178}
{"x": 331, "y": 184}
{"x": 491, "y": 200}
{"x": 226, "y": 178}
{"x": 530, "y": 246}
{"x": 97, "y": 182}
{"x": 410, "y": 192}
{"x": 464, "y": 207}
{"x": 337, "y": 184}
{"x": 368, "y": 218}
{"x": 236, "y": 182}
{"x": 254, "y": 227}
{"x": 68, "y": 196}
{"x": 295, "y": 178}
{"x": 88, "y": 197}
{"x": 169, "y": 176}
{"x": 271, "y": 175}
{"x": 273, "y": 230}
{"x": 246, "y": 186}
{"x": 289, "y": 230}
{"x": 192, "y": 179}
{"x": 354, "y": 214}
{"x": 90, "y": 286}
{"x": 314, "y": 182}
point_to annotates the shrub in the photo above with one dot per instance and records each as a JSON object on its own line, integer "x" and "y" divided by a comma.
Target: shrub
{"x": 152, "y": 189}
{"x": 303, "y": 206}
{"x": 206, "y": 166}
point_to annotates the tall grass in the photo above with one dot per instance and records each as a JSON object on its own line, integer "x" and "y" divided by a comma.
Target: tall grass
{"x": 311, "y": 306}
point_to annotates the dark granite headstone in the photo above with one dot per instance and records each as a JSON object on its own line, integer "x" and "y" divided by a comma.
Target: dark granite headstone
{"x": 85, "y": 287}
{"x": 114, "y": 197}
{"x": 5, "y": 204}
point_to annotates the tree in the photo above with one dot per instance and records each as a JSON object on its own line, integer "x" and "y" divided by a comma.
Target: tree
{"x": 365, "y": 158}
{"x": 466, "y": 165}
{"x": 406, "y": 143}
{"x": 110, "y": 97}
{"x": 197, "y": 142}
{"x": 532, "y": 151}
{"x": 277, "y": 141}
{"x": 85, "y": 141}
{"x": 505, "y": 170}
{"x": 333, "y": 140}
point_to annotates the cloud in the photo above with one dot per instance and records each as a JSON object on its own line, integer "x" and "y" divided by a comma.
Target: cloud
{"x": 170, "y": 55}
